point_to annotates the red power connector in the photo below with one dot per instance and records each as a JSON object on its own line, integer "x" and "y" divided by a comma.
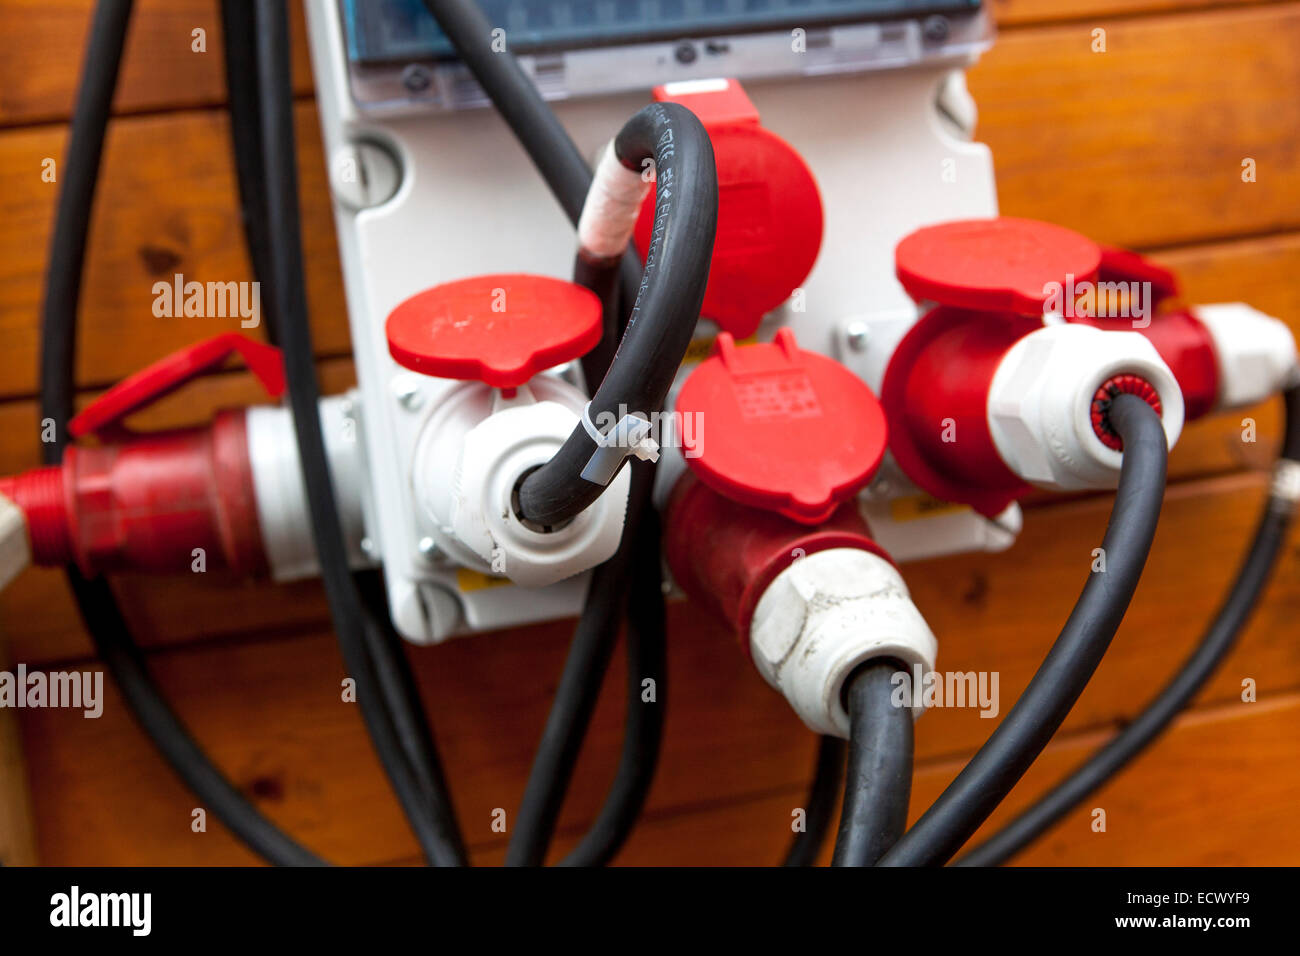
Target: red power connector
{"x": 152, "y": 502}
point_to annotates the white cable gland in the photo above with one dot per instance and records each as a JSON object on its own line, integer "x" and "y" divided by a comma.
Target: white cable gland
{"x": 472, "y": 504}
{"x": 824, "y": 616}
{"x": 1255, "y": 353}
{"x": 1040, "y": 403}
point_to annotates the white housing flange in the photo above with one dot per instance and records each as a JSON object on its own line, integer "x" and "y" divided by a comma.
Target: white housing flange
{"x": 1040, "y": 402}
{"x": 1256, "y": 353}
{"x": 822, "y": 617}
{"x": 493, "y": 441}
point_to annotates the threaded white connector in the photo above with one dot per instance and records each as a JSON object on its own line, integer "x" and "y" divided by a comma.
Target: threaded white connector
{"x": 1040, "y": 403}
{"x": 825, "y": 615}
{"x": 15, "y": 552}
{"x": 612, "y": 206}
{"x": 1255, "y": 353}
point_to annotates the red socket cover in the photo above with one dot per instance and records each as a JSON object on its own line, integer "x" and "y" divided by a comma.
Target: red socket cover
{"x": 497, "y": 329}
{"x": 775, "y": 427}
{"x": 769, "y": 210}
{"x": 993, "y": 265}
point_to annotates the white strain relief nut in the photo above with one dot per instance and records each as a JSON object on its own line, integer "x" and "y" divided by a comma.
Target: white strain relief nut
{"x": 825, "y": 615}
{"x": 613, "y": 203}
{"x": 1040, "y": 403}
{"x": 1255, "y": 353}
{"x": 494, "y": 442}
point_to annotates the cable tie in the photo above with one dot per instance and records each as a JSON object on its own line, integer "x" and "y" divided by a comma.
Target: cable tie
{"x": 629, "y": 436}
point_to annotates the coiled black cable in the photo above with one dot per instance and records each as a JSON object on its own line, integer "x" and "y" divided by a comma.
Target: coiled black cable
{"x": 1061, "y": 678}
{"x": 575, "y": 698}
{"x": 647, "y": 661}
{"x": 1219, "y": 639}
{"x": 420, "y": 788}
{"x": 569, "y": 178}
{"x": 819, "y": 804}
{"x": 95, "y": 601}
{"x": 673, "y": 280}
{"x": 878, "y": 783}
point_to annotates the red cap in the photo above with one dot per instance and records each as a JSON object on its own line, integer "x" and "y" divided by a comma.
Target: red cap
{"x": 993, "y": 265}
{"x": 497, "y": 329}
{"x": 769, "y": 210}
{"x": 775, "y": 427}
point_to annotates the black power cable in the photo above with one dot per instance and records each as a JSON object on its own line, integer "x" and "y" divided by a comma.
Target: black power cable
{"x": 819, "y": 804}
{"x": 580, "y": 682}
{"x": 1068, "y": 666}
{"x": 95, "y": 600}
{"x": 1219, "y": 639}
{"x": 668, "y": 304}
{"x": 879, "y": 779}
{"x": 244, "y": 90}
{"x": 419, "y": 788}
{"x": 672, "y": 288}
{"x": 567, "y": 175}
{"x": 647, "y": 660}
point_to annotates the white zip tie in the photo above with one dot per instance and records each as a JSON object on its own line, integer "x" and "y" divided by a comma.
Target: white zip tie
{"x": 629, "y": 436}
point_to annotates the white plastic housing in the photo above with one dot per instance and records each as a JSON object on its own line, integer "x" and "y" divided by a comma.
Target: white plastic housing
{"x": 1256, "y": 353}
{"x": 281, "y": 495}
{"x": 474, "y": 449}
{"x": 822, "y": 617}
{"x": 15, "y": 552}
{"x": 1040, "y": 403}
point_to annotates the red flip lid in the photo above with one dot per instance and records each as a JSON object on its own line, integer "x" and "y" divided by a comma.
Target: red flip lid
{"x": 775, "y": 427}
{"x": 497, "y": 329}
{"x": 769, "y": 210}
{"x": 993, "y": 265}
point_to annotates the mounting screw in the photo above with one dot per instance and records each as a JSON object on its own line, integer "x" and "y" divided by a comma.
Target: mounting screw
{"x": 406, "y": 389}
{"x": 428, "y": 548}
{"x": 416, "y": 78}
{"x": 364, "y": 174}
{"x": 935, "y": 28}
{"x": 857, "y": 336}
{"x": 686, "y": 53}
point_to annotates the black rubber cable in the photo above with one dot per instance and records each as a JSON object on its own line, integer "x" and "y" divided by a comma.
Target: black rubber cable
{"x": 667, "y": 307}
{"x": 671, "y": 288}
{"x": 579, "y": 688}
{"x": 1068, "y": 666}
{"x": 647, "y": 660}
{"x": 819, "y": 804}
{"x": 244, "y": 90}
{"x": 1219, "y": 639}
{"x": 400, "y": 691}
{"x": 569, "y": 178}
{"x": 533, "y": 122}
{"x": 95, "y": 600}
{"x": 363, "y": 645}
{"x": 878, "y": 783}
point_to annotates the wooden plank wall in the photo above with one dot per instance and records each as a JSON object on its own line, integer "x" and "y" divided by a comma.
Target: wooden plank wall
{"x": 1141, "y": 145}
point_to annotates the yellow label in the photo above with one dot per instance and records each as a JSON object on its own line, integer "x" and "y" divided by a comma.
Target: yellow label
{"x": 468, "y": 580}
{"x": 701, "y": 348}
{"x": 922, "y": 506}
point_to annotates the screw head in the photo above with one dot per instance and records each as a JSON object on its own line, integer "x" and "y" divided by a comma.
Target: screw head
{"x": 407, "y": 391}
{"x": 857, "y": 336}
{"x": 364, "y": 174}
{"x": 935, "y": 28}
